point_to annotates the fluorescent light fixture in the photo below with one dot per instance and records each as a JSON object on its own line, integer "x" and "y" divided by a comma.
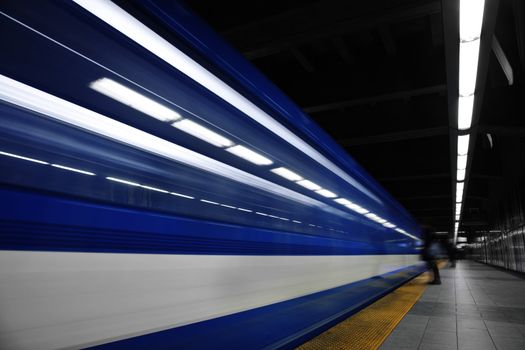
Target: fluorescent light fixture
{"x": 287, "y": 174}
{"x": 273, "y": 216}
{"x": 135, "y": 100}
{"x": 326, "y": 193}
{"x": 458, "y": 208}
{"x": 209, "y": 202}
{"x": 463, "y": 143}
{"x": 465, "y": 109}
{"x": 249, "y": 155}
{"x": 460, "y": 186}
{"x": 468, "y": 67}
{"x": 181, "y": 195}
{"x": 459, "y": 197}
{"x": 23, "y": 158}
{"x": 371, "y": 215}
{"x": 154, "y": 189}
{"x": 457, "y": 217}
{"x": 245, "y": 210}
{"x": 202, "y": 133}
{"x": 343, "y": 201}
{"x": 284, "y": 219}
{"x": 470, "y": 19}
{"x": 126, "y": 182}
{"x": 309, "y": 185}
{"x": 228, "y": 206}
{"x": 259, "y": 213}
{"x": 462, "y": 162}
{"x": 311, "y": 225}
{"x": 135, "y": 30}
{"x": 381, "y": 220}
{"x": 357, "y": 208}
{"x": 73, "y": 169}
{"x": 460, "y": 175}
{"x": 389, "y": 225}
{"x": 296, "y": 221}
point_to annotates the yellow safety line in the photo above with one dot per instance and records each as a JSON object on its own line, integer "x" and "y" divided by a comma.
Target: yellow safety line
{"x": 371, "y": 326}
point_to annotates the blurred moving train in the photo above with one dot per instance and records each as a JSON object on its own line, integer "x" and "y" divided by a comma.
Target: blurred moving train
{"x": 158, "y": 192}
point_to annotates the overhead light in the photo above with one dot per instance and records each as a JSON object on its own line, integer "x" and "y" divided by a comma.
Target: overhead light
{"x": 457, "y": 217}
{"x": 181, "y": 195}
{"x": 154, "y": 189}
{"x": 228, "y": 206}
{"x": 73, "y": 169}
{"x": 129, "y": 26}
{"x": 465, "y": 108}
{"x": 343, "y": 201}
{"x": 389, "y": 225}
{"x": 209, "y": 202}
{"x": 135, "y": 100}
{"x": 326, "y": 193}
{"x": 259, "y": 213}
{"x": 296, "y": 221}
{"x": 122, "y": 181}
{"x": 470, "y": 19}
{"x": 357, "y": 208}
{"x": 381, "y": 220}
{"x": 460, "y": 186}
{"x": 459, "y": 197}
{"x": 23, "y": 158}
{"x": 460, "y": 175}
{"x": 463, "y": 143}
{"x": 287, "y": 174}
{"x": 202, "y": 133}
{"x": 458, "y": 208}
{"x": 468, "y": 67}
{"x": 309, "y": 185}
{"x": 249, "y": 155}
{"x": 462, "y": 162}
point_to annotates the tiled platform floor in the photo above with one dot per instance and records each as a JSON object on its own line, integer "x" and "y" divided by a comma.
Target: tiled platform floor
{"x": 476, "y": 307}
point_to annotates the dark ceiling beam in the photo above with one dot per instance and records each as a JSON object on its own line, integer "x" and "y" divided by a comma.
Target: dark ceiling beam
{"x": 342, "y": 49}
{"x": 502, "y": 130}
{"x": 303, "y": 60}
{"x": 474, "y": 223}
{"x": 425, "y": 177}
{"x": 425, "y": 197}
{"x": 312, "y": 24}
{"x": 393, "y": 137}
{"x": 388, "y": 41}
{"x": 503, "y": 60}
{"x": 486, "y": 177}
{"x": 425, "y": 209}
{"x": 414, "y": 177}
{"x": 519, "y": 25}
{"x": 398, "y": 95}
{"x": 436, "y": 29}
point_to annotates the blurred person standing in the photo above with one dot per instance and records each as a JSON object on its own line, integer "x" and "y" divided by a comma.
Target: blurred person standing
{"x": 430, "y": 254}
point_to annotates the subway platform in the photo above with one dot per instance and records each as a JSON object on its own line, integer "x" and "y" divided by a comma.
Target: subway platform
{"x": 476, "y": 307}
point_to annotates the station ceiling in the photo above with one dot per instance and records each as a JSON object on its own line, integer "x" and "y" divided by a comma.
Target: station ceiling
{"x": 373, "y": 74}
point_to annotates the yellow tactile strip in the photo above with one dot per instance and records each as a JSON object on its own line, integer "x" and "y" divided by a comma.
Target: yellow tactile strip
{"x": 371, "y": 326}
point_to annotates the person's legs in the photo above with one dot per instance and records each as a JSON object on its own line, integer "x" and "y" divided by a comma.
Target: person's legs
{"x": 435, "y": 270}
